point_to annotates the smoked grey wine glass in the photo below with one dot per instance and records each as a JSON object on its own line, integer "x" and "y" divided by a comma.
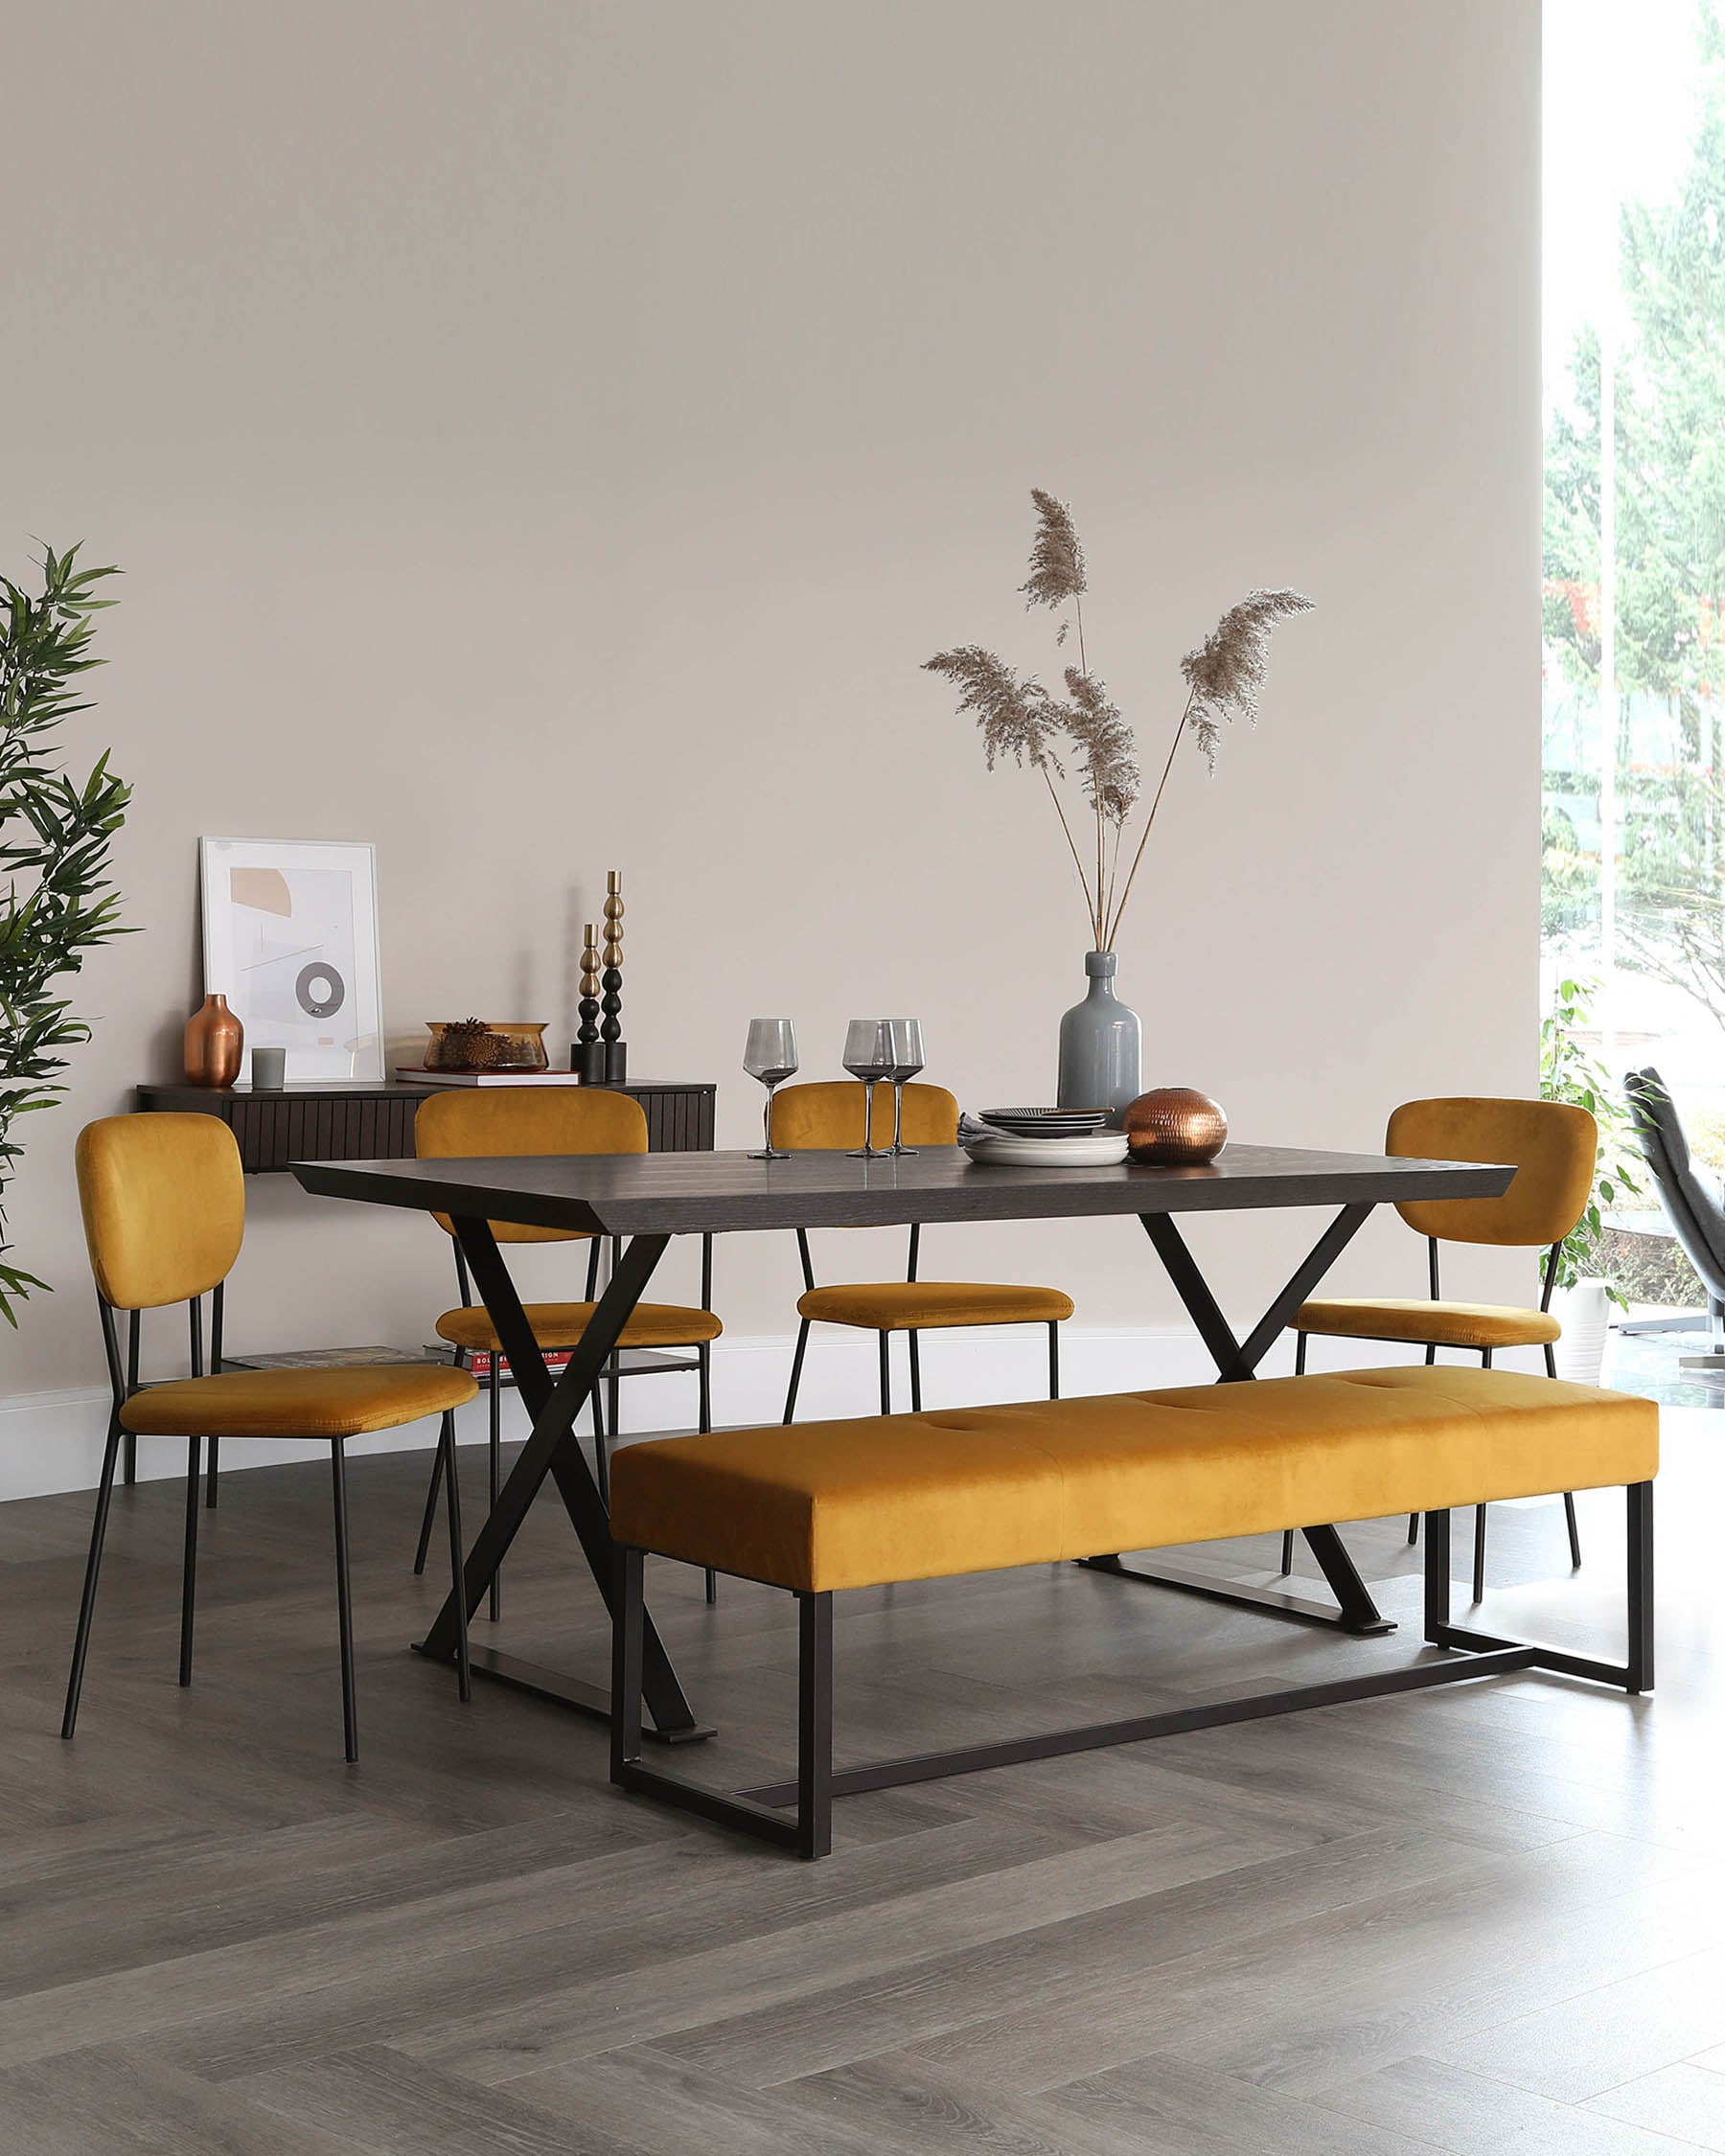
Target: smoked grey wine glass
{"x": 905, "y": 1037}
{"x": 770, "y": 1056}
{"x": 868, "y": 1056}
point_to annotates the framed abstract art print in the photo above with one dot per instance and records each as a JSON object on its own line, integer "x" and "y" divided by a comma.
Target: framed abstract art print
{"x": 291, "y": 939}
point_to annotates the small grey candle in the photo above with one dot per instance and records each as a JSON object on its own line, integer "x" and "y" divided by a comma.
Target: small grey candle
{"x": 269, "y": 1070}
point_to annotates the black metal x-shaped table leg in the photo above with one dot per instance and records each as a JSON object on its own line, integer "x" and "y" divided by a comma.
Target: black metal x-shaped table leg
{"x": 553, "y": 1449}
{"x": 1355, "y": 1609}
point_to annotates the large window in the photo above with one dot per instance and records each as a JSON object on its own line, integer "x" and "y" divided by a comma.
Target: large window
{"x": 1634, "y": 714}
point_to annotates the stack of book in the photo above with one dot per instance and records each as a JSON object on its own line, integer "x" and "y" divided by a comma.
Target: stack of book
{"x": 477, "y": 1362}
{"x": 412, "y": 1074}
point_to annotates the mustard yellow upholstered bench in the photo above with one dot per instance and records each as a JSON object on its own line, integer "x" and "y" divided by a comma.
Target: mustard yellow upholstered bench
{"x": 824, "y": 1506}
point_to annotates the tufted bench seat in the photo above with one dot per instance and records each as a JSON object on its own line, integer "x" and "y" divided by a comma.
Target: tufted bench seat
{"x": 820, "y": 1507}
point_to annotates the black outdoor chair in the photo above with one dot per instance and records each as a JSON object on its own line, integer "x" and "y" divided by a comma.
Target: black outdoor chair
{"x": 1695, "y": 1212}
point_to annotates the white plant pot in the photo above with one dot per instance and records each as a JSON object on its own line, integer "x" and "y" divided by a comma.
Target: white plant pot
{"x": 1584, "y": 1312}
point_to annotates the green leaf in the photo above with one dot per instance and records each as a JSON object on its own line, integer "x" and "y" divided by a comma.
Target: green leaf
{"x": 56, "y": 903}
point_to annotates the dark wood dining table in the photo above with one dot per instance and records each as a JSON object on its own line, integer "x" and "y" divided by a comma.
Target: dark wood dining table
{"x": 642, "y": 1201}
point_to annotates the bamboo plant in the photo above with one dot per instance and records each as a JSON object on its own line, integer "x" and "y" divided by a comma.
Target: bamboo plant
{"x": 56, "y": 902}
{"x": 1021, "y": 719}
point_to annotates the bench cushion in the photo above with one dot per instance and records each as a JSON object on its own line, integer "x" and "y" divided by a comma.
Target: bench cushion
{"x": 837, "y": 1504}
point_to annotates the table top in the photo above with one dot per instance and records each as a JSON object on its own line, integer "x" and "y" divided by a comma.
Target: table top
{"x": 711, "y": 1193}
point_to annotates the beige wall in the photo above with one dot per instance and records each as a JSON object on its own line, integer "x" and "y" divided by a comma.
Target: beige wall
{"x": 543, "y": 438}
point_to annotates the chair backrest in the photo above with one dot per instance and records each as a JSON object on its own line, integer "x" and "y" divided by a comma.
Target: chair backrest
{"x": 163, "y": 1207}
{"x": 827, "y": 1116}
{"x": 1553, "y": 1145}
{"x": 514, "y": 1122}
{"x": 1695, "y": 1214}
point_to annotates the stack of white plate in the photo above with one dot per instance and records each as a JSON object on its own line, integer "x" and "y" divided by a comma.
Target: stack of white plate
{"x": 1047, "y": 1138}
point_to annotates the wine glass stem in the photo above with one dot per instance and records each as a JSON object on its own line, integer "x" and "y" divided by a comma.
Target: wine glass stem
{"x": 868, "y": 1087}
{"x": 767, "y": 1116}
{"x": 898, "y": 1111}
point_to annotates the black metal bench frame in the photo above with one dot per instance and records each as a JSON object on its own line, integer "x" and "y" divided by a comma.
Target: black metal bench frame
{"x": 758, "y": 1811}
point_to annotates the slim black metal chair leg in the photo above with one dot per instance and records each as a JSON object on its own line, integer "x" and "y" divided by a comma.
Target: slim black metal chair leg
{"x": 1413, "y": 1529}
{"x": 1287, "y": 1548}
{"x": 189, "y": 1582}
{"x": 1569, "y": 1496}
{"x": 914, "y": 1346}
{"x": 886, "y": 1340}
{"x": 1053, "y": 1360}
{"x": 213, "y": 1472}
{"x": 1478, "y": 1563}
{"x": 344, "y": 1600}
{"x": 133, "y": 1339}
{"x": 627, "y": 1630}
{"x": 425, "y": 1538}
{"x": 703, "y": 1422}
{"x": 797, "y": 1364}
{"x": 600, "y": 1457}
{"x": 815, "y": 1725}
{"x": 87, "y": 1609}
{"x": 495, "y": 1403}
{"x": 464, "y": 1675}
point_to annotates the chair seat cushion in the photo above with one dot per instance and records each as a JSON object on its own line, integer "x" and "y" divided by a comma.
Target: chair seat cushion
{"x": 561, "y": 1325}
{"x": 1434, "y": 1324}
{"x": 837, "y": 1504}
{"x": 897, "y": 1306}
{"x": 337, "y": 1403}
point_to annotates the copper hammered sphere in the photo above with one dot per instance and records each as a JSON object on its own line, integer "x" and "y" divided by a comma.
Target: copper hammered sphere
{"x": 1174, "y": 1127}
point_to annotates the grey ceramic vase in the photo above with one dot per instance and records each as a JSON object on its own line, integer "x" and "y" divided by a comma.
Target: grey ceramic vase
{"x": 1100, "y": 1046}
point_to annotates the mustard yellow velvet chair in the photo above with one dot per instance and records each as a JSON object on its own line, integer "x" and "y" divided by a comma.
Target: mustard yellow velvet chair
{"x": 1553, "y": 1147}
{"x": 520, "y": 1122}
{"x": 828, "y": 1117}
{"x": 164, "y": 1213}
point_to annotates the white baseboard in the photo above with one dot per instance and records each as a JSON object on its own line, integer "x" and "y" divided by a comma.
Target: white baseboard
{"x": 52, "y": 1441}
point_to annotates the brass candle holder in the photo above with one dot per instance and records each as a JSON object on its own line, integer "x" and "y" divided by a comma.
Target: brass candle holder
{"x": 610, "y": 980}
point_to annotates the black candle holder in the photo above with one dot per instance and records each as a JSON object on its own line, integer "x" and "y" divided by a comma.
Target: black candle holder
{"x": 587, "y": 1052}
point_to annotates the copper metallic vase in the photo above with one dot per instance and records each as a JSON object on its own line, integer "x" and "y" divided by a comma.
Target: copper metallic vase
{"x": 1174, "y": 1127}
{"x": 214, "y": 1040}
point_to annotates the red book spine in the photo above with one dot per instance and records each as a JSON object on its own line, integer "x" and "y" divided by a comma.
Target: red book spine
{"x": 480, "y": 1361}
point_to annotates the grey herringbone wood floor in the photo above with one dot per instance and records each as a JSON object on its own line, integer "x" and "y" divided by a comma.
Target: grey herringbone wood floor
{"x": 1482, "y": 1921}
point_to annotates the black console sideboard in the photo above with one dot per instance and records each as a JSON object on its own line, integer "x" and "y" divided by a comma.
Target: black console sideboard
{"x": 375, "y": 1121}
